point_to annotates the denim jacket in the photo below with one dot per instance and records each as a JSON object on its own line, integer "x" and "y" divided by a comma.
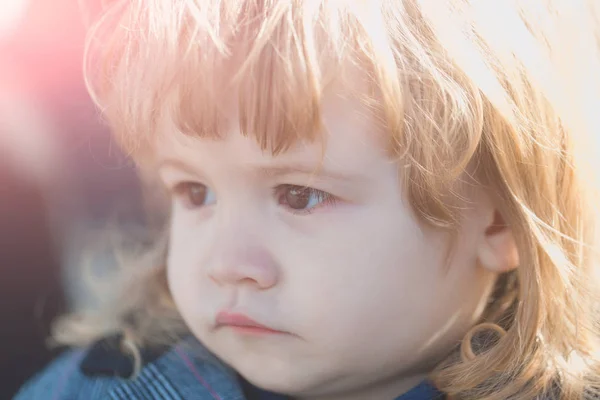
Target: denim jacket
{"x": 186, "y": 371}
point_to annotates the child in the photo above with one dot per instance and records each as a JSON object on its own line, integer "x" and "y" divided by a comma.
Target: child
{"x": 370, "y": 200}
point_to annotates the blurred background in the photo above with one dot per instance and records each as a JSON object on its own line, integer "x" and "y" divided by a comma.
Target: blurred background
{"x": 60, "y": 176}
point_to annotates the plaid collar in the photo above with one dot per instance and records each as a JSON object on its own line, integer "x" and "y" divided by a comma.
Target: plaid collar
{"x": 186, "y": 370}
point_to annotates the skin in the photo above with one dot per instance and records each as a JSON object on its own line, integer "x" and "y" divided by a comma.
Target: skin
{"x": 364, "y": 292}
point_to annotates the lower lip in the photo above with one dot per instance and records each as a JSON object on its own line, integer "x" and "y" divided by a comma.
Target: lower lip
{"x": 253, "y": 330}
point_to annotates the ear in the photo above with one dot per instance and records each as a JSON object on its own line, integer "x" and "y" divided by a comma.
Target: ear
{"x": 498, "y": 251}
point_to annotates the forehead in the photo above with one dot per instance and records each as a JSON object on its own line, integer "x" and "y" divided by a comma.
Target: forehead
{"x": 350, "y": 138}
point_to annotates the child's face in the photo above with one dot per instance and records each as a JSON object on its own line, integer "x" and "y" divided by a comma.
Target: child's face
{"x": 362, "y": 289}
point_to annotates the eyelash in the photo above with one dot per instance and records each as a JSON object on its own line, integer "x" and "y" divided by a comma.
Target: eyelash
{"x": 324, "y": 198}
{"x": 182, "y": 193}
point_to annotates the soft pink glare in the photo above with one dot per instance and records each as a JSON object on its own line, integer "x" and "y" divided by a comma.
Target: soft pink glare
{"x": 11, "y": 14}
{"x": 41, "y": 81}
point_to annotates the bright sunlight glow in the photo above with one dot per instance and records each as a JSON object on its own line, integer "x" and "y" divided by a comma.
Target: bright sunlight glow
{"x": 11, "y": 13}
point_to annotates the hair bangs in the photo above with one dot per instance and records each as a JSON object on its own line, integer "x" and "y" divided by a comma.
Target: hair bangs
{"x": 267, "y": 64}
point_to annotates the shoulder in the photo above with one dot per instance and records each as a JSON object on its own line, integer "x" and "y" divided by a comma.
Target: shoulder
{"x": 102, "y": 371}
{"x": 62, "y": 376}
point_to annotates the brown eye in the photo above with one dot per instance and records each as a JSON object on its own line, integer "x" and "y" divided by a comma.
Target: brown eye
{"x": 297, "y": 198}
{"x": 194, "y": 194}
{"x": 301, "y": 198}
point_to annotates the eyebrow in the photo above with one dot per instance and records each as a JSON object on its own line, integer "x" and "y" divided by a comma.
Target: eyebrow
{"x": 176, "y": 164}
{"x": 272, "y": 171}
{"x": 278, "y": 170}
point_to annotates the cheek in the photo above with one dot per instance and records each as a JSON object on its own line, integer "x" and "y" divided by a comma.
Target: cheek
{"x": 184, "y": 272}
{"x": 178, "y": 277}
{"x": 189, "y": 241}
{"x": 181, "y": 256}
{"x": 383, "y": 295}
{"x": 355, "y": 280}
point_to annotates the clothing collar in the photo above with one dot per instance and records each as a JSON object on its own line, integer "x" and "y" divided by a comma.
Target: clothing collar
{"x": 190, "y": 366}
{"x": 423, "y": 391}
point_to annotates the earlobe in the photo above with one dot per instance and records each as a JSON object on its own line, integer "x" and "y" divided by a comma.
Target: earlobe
{"x": 498, "y": 250}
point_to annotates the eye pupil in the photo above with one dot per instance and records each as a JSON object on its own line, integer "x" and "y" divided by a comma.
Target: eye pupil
{"x": 297, "y": 198}
{"x": 196, "y": 194}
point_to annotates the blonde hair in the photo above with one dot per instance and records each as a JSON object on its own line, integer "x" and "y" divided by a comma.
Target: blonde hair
{"x": 509, "y": 87}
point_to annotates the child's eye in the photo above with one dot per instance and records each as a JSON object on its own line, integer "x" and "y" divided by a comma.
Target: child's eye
{"x": 301, "y": 199}
{"x": 194, "y": 195}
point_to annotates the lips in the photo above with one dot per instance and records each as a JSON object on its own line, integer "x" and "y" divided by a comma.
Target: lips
{"x": 243, "y": 323}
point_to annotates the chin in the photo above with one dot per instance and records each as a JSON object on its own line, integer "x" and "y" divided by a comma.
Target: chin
{"x": 278, "y": 380}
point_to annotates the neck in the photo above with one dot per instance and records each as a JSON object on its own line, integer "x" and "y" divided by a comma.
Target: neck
{"x": 386, "y": 390}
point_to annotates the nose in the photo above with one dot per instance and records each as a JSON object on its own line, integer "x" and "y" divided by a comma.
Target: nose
{"x": 245, "y": 265}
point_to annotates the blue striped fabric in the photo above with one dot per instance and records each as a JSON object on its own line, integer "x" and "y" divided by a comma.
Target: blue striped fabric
{"x": 186, "y": 372}
{"x": 181, "y": 374}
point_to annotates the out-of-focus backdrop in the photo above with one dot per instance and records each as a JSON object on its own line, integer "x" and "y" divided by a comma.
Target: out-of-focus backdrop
{"x": 60, "y": 176}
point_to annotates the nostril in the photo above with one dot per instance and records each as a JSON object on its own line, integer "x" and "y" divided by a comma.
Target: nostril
{"x": 261, "y": 276}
